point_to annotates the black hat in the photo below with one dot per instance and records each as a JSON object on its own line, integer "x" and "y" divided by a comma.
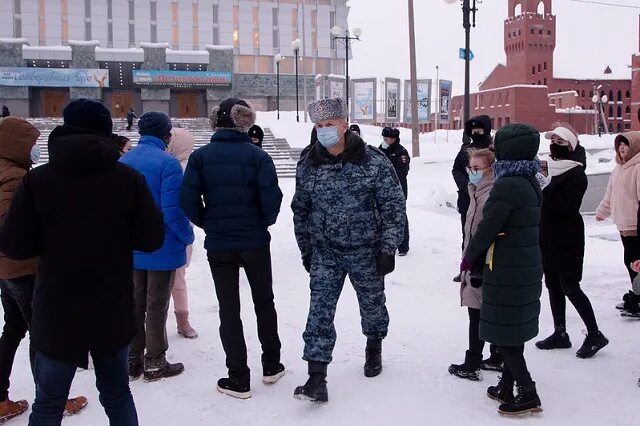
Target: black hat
{"x": 154, "y": 123}
{"x": 88, "y": 114}
{"x": 233, "y": 114}
{"x": 478, "y": 122}
{"x": 390, "y": 132}
{"x": 355, "y": 128}
{"x": 256, "y": 132}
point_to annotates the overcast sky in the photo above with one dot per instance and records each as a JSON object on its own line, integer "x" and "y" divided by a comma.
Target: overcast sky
{"x": 590, "y": 37}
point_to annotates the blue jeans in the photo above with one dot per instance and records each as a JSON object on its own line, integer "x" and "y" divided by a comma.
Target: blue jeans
{"x": 53, "y": 381}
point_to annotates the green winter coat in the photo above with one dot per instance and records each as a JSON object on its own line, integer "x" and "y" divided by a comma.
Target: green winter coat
{"x": 508, "y": 238}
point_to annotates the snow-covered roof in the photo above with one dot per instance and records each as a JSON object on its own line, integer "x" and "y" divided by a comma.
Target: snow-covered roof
{"x": 515, "y": 86}
{"x": 218, "y": 47}
{"x": 155, "y": 45}
{"x": 132, "y": 54}
{"x": 618, "y": 72}
{"x": 575, "y": 110}
{"x": 188, "y": 56}
{"x": 84, "y": 43}
{"x": 61, "y": 53}
{"x": 14, "y": 40}
{"x": 567, "y": 92}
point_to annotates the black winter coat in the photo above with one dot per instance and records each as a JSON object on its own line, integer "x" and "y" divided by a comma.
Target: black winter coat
{"x": 82, "y": 214}
{"x": 400, "y": 160}
{"x": 230, "y": 189}
{"x": 562, "y": 228}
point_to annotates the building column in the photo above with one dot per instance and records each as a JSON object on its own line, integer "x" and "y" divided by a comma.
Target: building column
{"x": 83, "y": 56}
{"x": 15, "y": 98}
{"x": 221, "y": 59}
{"x": 155, "y": 98}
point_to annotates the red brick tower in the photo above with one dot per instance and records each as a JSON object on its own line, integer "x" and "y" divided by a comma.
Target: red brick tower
{"x": 529, "y": 41}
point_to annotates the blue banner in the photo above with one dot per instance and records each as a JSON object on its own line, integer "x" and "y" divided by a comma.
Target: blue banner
{"x": 53, "y": 77}
{"x": 182, "y": 78}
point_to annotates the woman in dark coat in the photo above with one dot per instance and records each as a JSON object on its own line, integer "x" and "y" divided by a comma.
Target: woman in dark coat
{"x": 507, "y": 237}
{"x": 562, "y": 244}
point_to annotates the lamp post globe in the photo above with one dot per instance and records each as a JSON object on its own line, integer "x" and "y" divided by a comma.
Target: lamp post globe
{"x": 357, "y": 32}
{"x": 337, "y": 31}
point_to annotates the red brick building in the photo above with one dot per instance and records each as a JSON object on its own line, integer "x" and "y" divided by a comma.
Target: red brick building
{"x": 526, "y": 88}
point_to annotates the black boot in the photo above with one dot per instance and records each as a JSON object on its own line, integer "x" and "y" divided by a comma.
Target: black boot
{"x": 315, "y": 389}
{"x": 136, "y": 369}
{"x": 494, "y": 362}
{"x": 373, "y": 358}
{"x": 271, "y": 374}
{"x": 558, "y": 340}
{"x": 236, "y": 386}
{"x": 457, "y": 278}
{"x": 503, "y": 392}
{"x": 470, "y": 370}
{"x": 527, "y": 401}
{"x": 159, "y": 368}
{"x": 592, "y": 344}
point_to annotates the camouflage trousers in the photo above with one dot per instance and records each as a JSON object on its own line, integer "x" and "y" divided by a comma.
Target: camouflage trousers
{"x": 329, "y": 268}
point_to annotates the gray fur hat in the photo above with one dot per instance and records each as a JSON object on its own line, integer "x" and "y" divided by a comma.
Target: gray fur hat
{"x": 327, "y": 109}
{"x": 233, "y": 114}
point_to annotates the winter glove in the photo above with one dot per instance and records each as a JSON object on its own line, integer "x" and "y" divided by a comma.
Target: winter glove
{"x": 306, "y": 262}
{"x": 386, "y": 264}
{"x": 476, "y": 282}
{"x": 465, "y": 265}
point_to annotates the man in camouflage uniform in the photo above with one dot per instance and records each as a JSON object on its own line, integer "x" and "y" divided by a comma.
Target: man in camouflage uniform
{"x": 349, "y": 217}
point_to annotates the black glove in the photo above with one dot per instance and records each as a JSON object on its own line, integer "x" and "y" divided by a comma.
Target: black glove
{"x": 476, "y": 282}
{"x": 306, "y": 262}
{"x": 386, "y": 264}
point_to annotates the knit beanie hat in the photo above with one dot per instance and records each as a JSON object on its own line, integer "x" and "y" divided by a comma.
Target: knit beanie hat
{"x": 88, "y": 114}
{"x": 154, "y": 123}
{"x": 256, "y": 132}
{"x": 233, "y": 114}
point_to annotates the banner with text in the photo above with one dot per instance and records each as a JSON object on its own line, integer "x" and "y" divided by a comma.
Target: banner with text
{"x": 53, "y": 77}
{"x": 392, "y": 97}
{"x": 182, "y": 78}
{"x": 364, "y": 100}
{"x": 424, "y": 100}
{"x": 444, "y": 92}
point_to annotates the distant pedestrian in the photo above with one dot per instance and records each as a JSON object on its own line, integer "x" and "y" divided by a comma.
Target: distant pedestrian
{"x": 478, "y": 131}
{"x": 5, "y": 112}
{"x": 83, "y": 299}
{"x": 508, "y": 239}
{"x": 181, "y": 147}
{"x": 154, "y": 272}
{"x": 349, "y": 218}
{"x": 257, "y": 135}
{"x": 131, "y": 115}
{"x": 621, "y": 204}
{"x": 400, "y": 159}
{"x": 231, "y": 191}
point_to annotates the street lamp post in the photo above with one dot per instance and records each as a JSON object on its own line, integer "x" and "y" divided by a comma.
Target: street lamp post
{"x": 345, "y": 37}
{"x": 278, "y": 58}
{"x": 599, "y": 101}
{"x": 296, "y": 49}
{"x": 469, "y": 10}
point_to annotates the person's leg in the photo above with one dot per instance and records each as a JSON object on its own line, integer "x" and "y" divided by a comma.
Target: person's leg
{"x": 631, "y": 254}
{"x": 257, "y": 266}
{"x": 112, "y": 381}
{"x": 581, "y": 302}
{"x": 225, "y": 270}
{"x": 327, "y": 279}
{"x": 476, "y": 345}
{"x": 136, "y": 349}
{"x": 404, "y": 246}
{"x": 556, "y": 298}
{"x": 53, "y": 381}
{"x": 14, "y": 330}
{"x": 158, "y": 299}
{"x": 516, "y": 365}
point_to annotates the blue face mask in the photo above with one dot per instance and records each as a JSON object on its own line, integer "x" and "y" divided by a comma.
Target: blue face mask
{"x": 384, "y": 145}
{"x": 328, "y": 136}
{"x": 475, "y": 176}
{"x": 35, "y": 154}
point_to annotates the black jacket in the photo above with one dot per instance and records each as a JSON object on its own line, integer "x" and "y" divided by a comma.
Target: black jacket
{"x": 5, "y": 112}
{"x": 400, "y": 159}
{"x": 131, "y": 115}
{"x": 562, "y": 228}
{"x": 82, "y": 214}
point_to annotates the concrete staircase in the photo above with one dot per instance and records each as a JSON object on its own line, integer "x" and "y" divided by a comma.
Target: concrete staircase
{"x": 278, "y": 149}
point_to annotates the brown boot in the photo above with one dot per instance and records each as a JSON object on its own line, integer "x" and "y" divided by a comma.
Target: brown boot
{"x": 10, "y": 409}
{"x": 75, "y": 405}
{"x": 184, "y": 328}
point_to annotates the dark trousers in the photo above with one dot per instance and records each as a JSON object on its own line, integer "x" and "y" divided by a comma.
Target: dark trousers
{"x": 404, "y": 246}
{"x": 225, "y": 269}
{"x": 515, "y": 366}
{"x": 16, "y": 296}
{"x": 560, "y": 288}
{"x": 53, "y": 381}
{"x": 631, "y": 254}
{"x": 129, "y": 124}
{"x": 476, "y": 345}
{"x": 152, "y": 293}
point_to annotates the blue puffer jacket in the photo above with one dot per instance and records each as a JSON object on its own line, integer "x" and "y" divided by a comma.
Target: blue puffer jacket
{"x": 239, "y": 185}
{"x": 164, "y": 177}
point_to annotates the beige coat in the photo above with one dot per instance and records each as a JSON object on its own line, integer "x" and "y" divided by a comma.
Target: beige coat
{"x": 472, "y": 297}
{"x": 181, "y": 145}
{"x": 623, "y": 191}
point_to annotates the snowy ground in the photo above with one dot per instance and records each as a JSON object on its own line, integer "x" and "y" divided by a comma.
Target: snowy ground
{"x": 428, "y": 332}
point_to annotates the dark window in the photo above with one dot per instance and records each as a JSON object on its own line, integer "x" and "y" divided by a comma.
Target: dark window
{"x": 276, "y": 39}
{"x": 533, "y": 70}
{"x": 627, "y": 110}
{"x": 539, "y": 68}
{"x": 154, "y": 11}
{"x": 611, "y": 111}
{"x": 583, "y": 93}
{"x": 87, "y": 31}
{"x": 611, "y": 95}
{"x": 216, "y": 36}
{"x": 628, "y": 94}
{"x": 87, "y": 8}
{"x": 627, "y": 126}
{"x": 602, "y": 93}
{"x": 215, "y": 14}
{"x": 275, "y": 17}
{"x": 545, "y": 81}
{"x": 619, "y": 112}
{"x": 131, "y": 9}
{"x": 539, "y": 82}
{"x": 507, "y": 120}
{"x": 610, "y": 127}
{"x": 590, "y": 93}
{"x": 545, "y": 66}
{"x": 619, "y": 127}
{"x": 17, "y": 7}
{"x": 540, "y": 32}
{"x": 533, "y": 31}
{"x": 619, "y": 96}
{"x": 549, "y": 32}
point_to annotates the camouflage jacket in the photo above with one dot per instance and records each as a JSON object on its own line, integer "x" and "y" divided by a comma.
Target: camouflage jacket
{"x": 350, "y": 201}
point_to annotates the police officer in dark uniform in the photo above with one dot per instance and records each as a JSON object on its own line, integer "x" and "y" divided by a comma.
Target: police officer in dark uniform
{"x": 400, "y": 159}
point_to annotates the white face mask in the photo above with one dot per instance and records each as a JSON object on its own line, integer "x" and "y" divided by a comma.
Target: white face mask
{"x": 35, "y": 154}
